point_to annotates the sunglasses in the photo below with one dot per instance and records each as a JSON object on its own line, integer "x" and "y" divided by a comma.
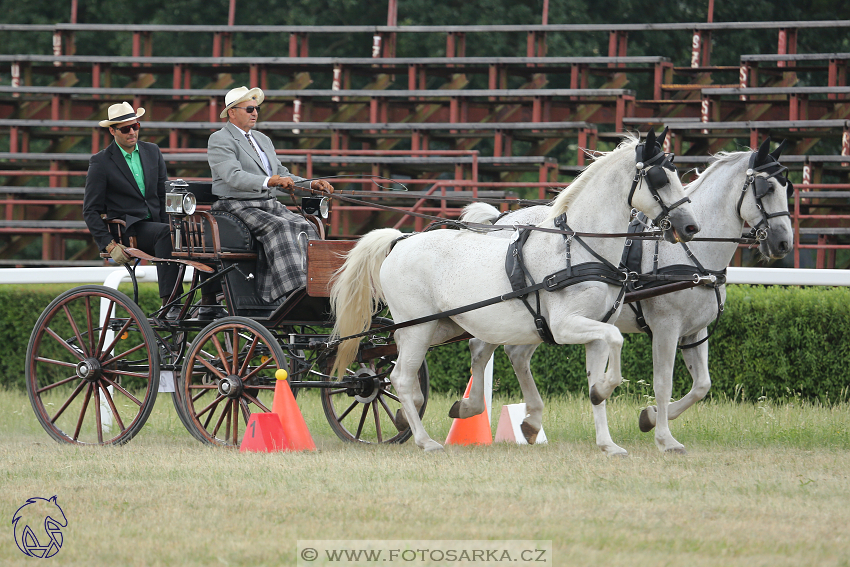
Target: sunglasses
{"x": 248, "y": 109}
{"x": 127, "y": 129}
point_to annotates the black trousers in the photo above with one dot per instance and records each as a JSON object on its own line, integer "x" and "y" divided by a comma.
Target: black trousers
{"x": 155, "y": 238}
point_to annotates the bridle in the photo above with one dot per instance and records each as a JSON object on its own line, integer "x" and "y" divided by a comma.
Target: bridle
{"x": 761, "y": 188}
{"x": 652, "y": 169}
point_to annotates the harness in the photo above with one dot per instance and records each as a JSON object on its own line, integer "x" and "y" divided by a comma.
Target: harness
{"x": 602, "y": 270}
{"x": 632, "y": 260}
{"x": 633, "y": 255}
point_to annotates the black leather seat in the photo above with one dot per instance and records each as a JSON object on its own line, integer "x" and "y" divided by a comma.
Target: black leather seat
{"x": 234, "y": 234}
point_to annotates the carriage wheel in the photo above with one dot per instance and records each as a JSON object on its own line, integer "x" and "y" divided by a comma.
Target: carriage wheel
{"x": 368, "y": 414}
{"x": 228, "y": 374}
{"x": 90, "y": 383}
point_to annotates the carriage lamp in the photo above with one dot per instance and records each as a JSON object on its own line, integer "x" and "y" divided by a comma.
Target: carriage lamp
{"x": 178, "y": 200}
{"x": 315, "y": 206}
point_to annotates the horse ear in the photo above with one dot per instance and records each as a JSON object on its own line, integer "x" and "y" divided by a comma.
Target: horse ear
{"x": 650, "y": 138}
{"x": 778, "y": 151}
{"x": 660, "y": 140}
{"x": 763, "y": 150}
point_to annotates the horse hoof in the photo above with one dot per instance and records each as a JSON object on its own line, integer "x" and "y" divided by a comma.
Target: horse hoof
{"x": 644, "y": 422}
{"x": 529, "y": 433}
{"x": 615, "y": 451}
{"x": 434, "y": 447}
{"x": 455, "y": 410}
{"x": 400, "y": 420}
{"x": 676, "y": 451}
{"x": 595, "y": 398}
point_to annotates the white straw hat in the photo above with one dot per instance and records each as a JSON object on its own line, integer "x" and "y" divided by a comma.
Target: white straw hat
{"x": 121, "y": 112}
{"x": 240, "y": 94}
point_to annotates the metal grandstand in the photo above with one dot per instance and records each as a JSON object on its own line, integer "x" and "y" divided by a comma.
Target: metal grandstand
{"x": 449, "y": 128}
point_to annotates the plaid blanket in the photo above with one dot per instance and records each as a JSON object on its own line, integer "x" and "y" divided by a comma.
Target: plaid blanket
{"x": 282, "y": 258}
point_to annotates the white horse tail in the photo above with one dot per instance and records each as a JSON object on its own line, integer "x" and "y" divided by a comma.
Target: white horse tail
{"x": 356, "y": 291}
{"x": 481, "y": 213}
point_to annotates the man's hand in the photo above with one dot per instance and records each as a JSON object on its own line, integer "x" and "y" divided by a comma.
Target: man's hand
{"x": 322, "y": 185}
{"x": 116, "y": 250}
{"x": 284, "y": 183}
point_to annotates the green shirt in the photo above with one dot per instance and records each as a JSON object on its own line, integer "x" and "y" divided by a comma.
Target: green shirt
{"x": 135, "y": 164}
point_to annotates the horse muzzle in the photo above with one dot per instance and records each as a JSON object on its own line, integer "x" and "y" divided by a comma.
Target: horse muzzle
{"x": 683, "y": 227}
{"x": 777, "y": 245}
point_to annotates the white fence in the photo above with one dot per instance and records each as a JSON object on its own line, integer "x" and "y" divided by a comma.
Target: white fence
{"x": 112, "y": 276}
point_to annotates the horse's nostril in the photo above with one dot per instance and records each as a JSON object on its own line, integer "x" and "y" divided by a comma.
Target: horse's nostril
{"x": 691, "y": 229}
{"x": 783, "y": 247}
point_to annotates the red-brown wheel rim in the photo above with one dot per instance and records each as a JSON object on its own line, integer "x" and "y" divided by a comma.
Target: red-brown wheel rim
{"x": 92, "y": 383}
{"x": 228, "y": 374}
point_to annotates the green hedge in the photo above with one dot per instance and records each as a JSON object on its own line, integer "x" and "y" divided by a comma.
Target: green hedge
{"x": 774, "y": 341}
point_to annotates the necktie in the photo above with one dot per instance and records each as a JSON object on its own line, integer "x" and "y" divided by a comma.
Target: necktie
{"x": 251, "y": 141}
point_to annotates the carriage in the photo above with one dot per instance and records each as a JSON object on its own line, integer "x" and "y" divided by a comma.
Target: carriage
{"x": 79, "y": 363}
{"x": 95, "y": 359}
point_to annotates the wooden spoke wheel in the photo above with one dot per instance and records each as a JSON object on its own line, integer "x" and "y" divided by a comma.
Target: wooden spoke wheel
{"x": 228, "y": 374}
{"x": 91, "y": 382}
{"x": 368, "y": 412}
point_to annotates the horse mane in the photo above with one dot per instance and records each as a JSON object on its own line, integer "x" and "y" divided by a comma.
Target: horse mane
{"x": 601, "y": 160}
{"x": 718, "y": 160}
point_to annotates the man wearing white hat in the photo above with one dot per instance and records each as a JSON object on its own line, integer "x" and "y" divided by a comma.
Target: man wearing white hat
{"x": 126, "y": 181}
{"x": 247, "y": 176}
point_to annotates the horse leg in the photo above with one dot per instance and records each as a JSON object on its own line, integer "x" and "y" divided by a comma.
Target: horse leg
{"x": 663, "y": 358}
{"x": 597, "y": 354}
{"x": 603, "y": 345}
{"x": 474, "y": 404}
{"x": 696, "y": 359}
{"x": 520, "y": 357}
{"x": 413, "y": 344}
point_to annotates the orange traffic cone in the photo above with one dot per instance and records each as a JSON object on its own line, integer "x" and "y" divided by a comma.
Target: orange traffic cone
{"x": 291, "y": 419}
{"x": 264, "y": 434}
{"x": 473, "y": 430}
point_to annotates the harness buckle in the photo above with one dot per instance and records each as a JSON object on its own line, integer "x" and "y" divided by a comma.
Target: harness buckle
{"x": 761, "y": 234}
{"x": 550, "y": 281}
{"x": 709, "y": 278}
{"x": 665, "y": 224}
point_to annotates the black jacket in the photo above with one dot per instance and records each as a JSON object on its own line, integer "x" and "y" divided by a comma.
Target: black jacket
{"x": 112, "y": 190}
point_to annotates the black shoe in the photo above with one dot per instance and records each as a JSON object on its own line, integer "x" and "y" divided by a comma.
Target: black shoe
{"x": 211, "y": 312}
{"x": 173, "y": 313}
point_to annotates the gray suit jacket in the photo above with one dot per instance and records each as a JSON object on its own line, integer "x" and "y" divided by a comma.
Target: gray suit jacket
{"x": 237, "y": 170}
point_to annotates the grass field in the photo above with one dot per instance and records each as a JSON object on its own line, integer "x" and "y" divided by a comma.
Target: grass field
{"x": 763, "y": 485}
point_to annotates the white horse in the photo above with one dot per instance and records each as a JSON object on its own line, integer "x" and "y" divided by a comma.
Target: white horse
{"x": 723, "y": 207}
{"x": 442, "y": 270}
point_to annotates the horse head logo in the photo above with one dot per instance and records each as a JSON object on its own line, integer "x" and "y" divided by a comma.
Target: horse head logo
{"x": 38, "y": 527}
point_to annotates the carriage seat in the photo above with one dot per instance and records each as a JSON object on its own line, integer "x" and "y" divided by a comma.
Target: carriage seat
{"x": 234, "y": 235}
